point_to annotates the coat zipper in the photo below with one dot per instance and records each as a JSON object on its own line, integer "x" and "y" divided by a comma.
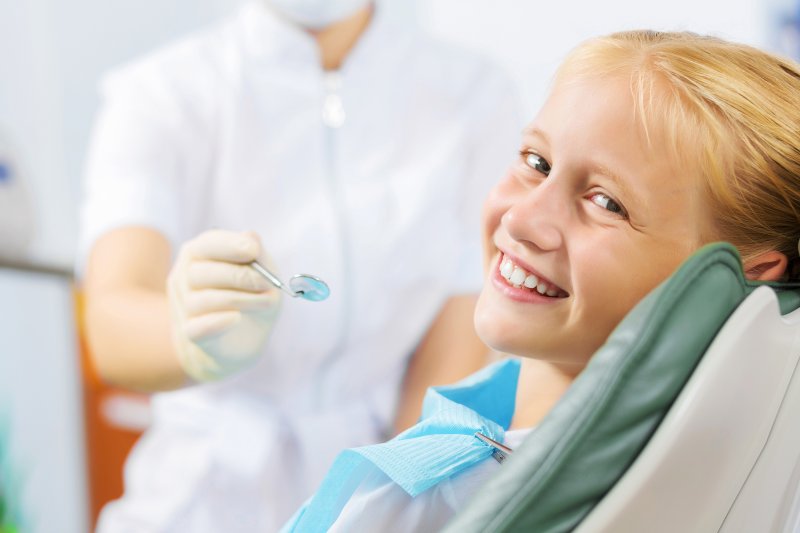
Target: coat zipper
{"x": 333, "y": 117}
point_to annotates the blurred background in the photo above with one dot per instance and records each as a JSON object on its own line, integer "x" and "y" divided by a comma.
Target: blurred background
{"x": 62, "y": 434}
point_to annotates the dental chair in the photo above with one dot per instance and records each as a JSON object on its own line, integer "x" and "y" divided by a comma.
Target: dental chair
{"x": 686, "y": 420}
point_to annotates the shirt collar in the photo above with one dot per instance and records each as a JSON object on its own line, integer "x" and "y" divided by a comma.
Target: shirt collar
{"x": 268, "y": 36}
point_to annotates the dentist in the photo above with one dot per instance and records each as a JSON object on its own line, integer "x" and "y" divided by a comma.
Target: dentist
{"x": 323, "y": 139}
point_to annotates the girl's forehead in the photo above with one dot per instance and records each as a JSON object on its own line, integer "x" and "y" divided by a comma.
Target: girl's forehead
{"x": 593, "y": 111}
{"x": 649, "y": 113}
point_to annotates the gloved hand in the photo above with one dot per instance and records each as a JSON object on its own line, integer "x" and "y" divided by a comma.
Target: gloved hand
{"x": 222, "y": 310}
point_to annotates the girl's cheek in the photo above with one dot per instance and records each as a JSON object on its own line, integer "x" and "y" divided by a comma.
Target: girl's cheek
{"x": 500, "y": 199}
{"x": 493, "y": 209}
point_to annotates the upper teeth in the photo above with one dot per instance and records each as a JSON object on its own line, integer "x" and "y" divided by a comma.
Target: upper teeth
{"x": 518, "y": 277}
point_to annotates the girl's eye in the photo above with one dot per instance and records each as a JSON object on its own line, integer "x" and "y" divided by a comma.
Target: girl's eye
{"x": 608, "y": 203}
{"x": 536, "y": 162}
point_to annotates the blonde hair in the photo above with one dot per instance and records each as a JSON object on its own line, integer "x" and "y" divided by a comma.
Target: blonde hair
{"x": 727, "y": 110}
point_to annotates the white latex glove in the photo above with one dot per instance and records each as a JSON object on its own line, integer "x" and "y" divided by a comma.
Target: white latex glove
{"x": 222, "y": 309}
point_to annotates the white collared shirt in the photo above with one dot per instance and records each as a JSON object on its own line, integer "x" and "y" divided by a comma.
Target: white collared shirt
{"x": 370, "y": 178}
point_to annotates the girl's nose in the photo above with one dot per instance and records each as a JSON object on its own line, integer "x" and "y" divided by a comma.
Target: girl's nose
{"x": 538, "y": 216}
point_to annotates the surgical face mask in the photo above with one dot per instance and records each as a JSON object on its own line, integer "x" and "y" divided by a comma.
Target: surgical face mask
{"x": 316, "y": 14}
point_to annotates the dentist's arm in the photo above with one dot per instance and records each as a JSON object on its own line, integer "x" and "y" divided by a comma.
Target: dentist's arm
{"x": 151, "y": 326}
{"x": 451, "y": 350}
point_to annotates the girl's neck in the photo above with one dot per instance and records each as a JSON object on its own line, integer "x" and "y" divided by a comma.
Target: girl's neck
{"x": 541, "y": 384}
{"x": 337, "y": 40}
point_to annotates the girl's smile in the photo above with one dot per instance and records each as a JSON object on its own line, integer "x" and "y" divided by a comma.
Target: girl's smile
{"x": 521, "y": 282}
{"x": 590, "y": 218}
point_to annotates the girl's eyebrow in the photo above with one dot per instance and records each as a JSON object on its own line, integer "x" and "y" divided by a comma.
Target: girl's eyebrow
{"x": 620, "y": 182}
{"x": 533, "y": 131}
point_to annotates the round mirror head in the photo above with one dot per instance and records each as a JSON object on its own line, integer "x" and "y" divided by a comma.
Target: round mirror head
{"x": 309, "y": 287}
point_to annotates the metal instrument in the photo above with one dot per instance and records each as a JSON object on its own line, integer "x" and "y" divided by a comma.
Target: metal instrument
{"x": 303, "y": 285}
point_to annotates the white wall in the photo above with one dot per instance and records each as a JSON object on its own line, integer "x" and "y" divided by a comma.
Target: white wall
{"x": 52, "y": 53}
{"x": 531, "y": 37}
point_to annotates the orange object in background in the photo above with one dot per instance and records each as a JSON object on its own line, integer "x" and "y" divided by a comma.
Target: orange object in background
{"x": 113, "y": 420}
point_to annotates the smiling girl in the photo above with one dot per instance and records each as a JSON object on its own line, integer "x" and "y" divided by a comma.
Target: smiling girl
{"x": 649, "y": 146}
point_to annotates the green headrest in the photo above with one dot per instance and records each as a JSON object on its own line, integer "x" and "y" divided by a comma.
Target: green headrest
{"x": 597, "y": 429}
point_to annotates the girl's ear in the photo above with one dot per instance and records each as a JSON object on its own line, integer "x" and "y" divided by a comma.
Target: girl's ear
{"x": 769, "y": 266}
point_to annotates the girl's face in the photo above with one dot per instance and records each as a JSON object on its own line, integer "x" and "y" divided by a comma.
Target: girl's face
{"x": 590, "y": 215}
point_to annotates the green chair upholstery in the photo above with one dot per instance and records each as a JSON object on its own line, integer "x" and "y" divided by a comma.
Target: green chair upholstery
{"x": 585, "y": 445}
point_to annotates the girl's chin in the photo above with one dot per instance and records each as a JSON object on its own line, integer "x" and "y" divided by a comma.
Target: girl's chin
{"x": 497, "y": 337}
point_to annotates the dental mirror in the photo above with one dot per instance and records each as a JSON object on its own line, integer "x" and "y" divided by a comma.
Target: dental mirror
{"x": 306, "y": 286}
{"x": 309, "y": 287}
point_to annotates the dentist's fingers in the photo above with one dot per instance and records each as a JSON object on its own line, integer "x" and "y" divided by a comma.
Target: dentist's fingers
{"x": 220, "y": 275}
{"x": 222, "y": 245}
{"x": 204, "y": 301}
{"x": 203, "y": 327}
{"x": 222, "y": 309}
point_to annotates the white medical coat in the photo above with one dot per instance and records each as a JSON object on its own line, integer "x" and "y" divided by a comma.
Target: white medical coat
{"x": 370, "y": 178}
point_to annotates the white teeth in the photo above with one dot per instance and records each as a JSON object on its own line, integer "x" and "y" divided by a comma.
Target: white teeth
{"x": 506, "y": 269}
{"x": 517, "y": 277}
{"x": 541, "y": 288}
